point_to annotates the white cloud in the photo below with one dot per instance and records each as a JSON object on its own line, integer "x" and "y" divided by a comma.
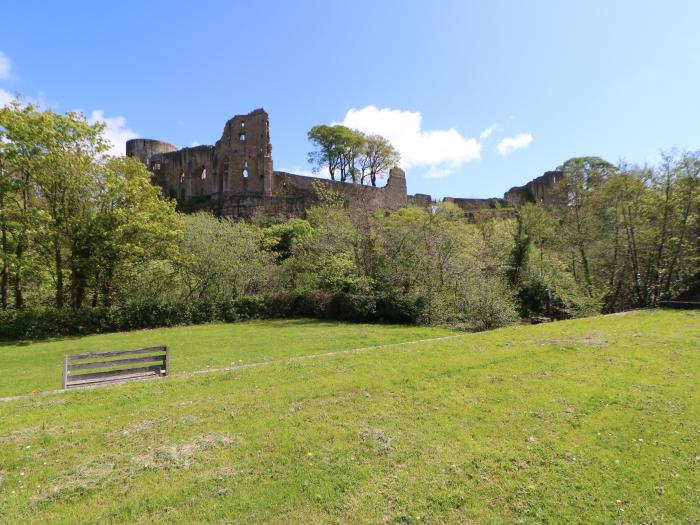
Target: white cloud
{"x": 5, "y": 66}
{"x": 438, "y": 173}
{"x": 510, "y": 144}
{"x": 115, "y": 132}
{"x": 436, "y": 149}
{"x": 5, "y": 98}
{"x": 300, "y": 170}
{"x": 489, "y": 131}
{"x": 195, "y": 143}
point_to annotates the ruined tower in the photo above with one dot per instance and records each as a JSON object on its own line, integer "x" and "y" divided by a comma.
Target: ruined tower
{"x": 240, "y": 163}
{"x": 235, "y": 176}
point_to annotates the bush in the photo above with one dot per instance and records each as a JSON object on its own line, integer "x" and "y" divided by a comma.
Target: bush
{"x": 490, "y": 305}
{"x": 398, "y": 308}
{"x": 387, "y": 307}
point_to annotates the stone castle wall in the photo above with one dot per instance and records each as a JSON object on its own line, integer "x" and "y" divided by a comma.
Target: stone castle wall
{"x": 235, "y": 178}
{"x": 537, "y": 190}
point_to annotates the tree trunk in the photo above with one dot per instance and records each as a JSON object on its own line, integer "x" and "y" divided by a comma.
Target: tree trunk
{"x": 654, "y": 282}
{"x": 19, "y": 252}
{"x": 681, "y": 237}
{"x": 5, "y": 277}
{"x": 107, "y": 288}
{"x": 58, "y": 261}
{"x": 19, "y": 298}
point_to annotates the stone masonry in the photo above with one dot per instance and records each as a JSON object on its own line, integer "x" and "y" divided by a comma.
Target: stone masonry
{"x": 235, "y": 177}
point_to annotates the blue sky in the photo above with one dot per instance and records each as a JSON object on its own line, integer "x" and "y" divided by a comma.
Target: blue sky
{"x": 551, "y": 80}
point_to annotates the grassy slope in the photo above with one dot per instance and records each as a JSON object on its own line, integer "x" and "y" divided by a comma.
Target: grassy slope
{"x": 594, "y": 420}
{"x": 35, "y": 366}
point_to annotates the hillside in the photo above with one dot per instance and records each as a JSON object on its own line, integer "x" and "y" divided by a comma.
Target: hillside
{"x": 592, "y": 420}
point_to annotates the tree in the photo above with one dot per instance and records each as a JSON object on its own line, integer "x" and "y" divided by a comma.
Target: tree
{"x": 378, "y": 157}
{"x": 327, "y": 152}
{"x": 131, "y": 226}
{"x": 48, "y": 157}
{"x": 351, "y": 154}
{"x": 222, "y": 259}
{"x": 66, "y": 181}
{"x": 576, "y": 209}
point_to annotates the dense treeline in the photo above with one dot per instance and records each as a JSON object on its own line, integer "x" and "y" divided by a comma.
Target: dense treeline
{"x": 88, "y": 244}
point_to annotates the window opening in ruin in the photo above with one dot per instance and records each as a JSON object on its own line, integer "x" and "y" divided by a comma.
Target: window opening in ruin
{"x": 204, "y": 173}
{"x": 245, "y": 164}
{"x": 243, "y": 123}
{"x": 155, "y": 166}
{"x": 242, "y": 137}
{"x": 182, "y": 177}
{"x": 245, "y": 173}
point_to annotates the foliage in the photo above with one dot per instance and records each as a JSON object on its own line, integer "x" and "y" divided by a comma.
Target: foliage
{"x": 87, "y": 243}
{"x": 70, "y": 215}
{"x": 615, "y": 237}
{"x": 222, "y": 259}
{"x": 351, "y": 154}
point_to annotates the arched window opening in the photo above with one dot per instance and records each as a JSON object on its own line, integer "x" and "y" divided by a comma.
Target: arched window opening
{"x": 204, "y": 173}
{"x": 243, "y": 124}
{"x": 245, "y": 173}
{"x": 242, "y": 137}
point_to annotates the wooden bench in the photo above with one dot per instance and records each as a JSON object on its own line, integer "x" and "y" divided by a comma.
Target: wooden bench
{"x": 80, "y": 370}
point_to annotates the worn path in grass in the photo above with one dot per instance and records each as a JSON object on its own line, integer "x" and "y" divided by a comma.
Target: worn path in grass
{"x": 249, "y": 365}
{"x": 587, "y": 421}
{"x": 36, "y": 366}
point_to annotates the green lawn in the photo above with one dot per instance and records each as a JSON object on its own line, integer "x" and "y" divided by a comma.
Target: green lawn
{"x": 36, "y": 366}
{"x": 586, "y": 421}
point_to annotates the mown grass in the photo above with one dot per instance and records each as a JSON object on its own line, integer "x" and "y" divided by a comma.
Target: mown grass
{"x": 35, "y": 366}
{"x": 587, "y": 421}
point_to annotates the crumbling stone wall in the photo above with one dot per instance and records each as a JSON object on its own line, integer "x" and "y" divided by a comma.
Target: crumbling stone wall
{"x": 144, "y": 149}
{"x": 239, "y": 163}
{"x": 537, "y": 190}
{"x": 235, "y": 178}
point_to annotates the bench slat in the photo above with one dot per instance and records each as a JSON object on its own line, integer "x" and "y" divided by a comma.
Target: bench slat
{"x": 117, "y": 362}
{"x": 114, "y": 381}
{"x": 89, "y": 355}
{"x": 115, "y": 373}
{"x": 117, "y": 381}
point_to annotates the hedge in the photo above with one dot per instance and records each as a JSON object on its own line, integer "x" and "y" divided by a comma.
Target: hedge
{"x": 39, "y": 323}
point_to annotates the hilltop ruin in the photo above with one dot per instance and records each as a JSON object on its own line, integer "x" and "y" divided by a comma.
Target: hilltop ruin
{"x": 235, "y": 177}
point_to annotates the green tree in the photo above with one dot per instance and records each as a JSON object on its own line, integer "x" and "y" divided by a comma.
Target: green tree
{"x": 378, "y": 156}
{"x": 131, "y": 227}
{"x": 223, "y": 259}
{"x": 577, "y": 210}
{"x": 351, "y": 154}
{"x": 328, "y": 151}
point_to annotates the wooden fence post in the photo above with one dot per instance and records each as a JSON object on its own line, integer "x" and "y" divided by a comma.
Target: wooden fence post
{"x": 167, "y": 360}
{"x": 65, "y": 372}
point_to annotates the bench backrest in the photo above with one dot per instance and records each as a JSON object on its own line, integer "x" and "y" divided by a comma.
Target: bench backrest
{"x": 101, "y": 368}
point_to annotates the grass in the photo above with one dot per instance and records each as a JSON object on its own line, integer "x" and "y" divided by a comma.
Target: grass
{"x": 36, "y": 366}
{"x": 586, "y": 421}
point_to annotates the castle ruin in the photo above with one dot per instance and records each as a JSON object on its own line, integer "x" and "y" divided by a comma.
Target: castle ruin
{"x": 235, "y": 177}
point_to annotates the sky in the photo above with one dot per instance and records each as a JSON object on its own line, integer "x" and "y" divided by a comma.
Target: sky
{"x": 477, "y": 96}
